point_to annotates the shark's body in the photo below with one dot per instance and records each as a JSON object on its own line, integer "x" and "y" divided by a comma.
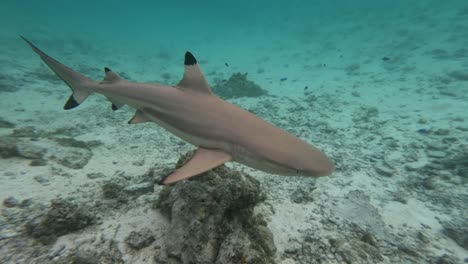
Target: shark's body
{"x": 221, "y": 131}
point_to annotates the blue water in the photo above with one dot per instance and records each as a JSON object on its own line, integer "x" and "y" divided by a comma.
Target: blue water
{"x": 378, "y": 84}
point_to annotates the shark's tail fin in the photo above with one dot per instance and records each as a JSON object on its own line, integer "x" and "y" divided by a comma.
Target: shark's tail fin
{"x": 77, "y": 82}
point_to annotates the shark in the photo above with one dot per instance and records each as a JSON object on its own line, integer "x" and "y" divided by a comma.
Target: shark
{"x": 221, "y": 132}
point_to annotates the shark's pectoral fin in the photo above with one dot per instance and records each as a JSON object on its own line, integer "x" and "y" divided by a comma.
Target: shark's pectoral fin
{"x": 138, "y": 117}
{"x": 193, "y": 77}
{"x": 203, "y": 160}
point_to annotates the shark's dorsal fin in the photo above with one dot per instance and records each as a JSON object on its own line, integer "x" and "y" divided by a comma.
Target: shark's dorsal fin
{"x": 111, "y": 77}
{"x": 203, "y": 161}
{"x": 193, "y": 77}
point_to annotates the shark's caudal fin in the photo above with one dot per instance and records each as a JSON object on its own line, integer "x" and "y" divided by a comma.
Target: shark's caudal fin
{"x": 77, "y": 82}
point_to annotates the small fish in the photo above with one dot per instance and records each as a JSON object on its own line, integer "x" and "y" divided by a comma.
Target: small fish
{"x": 385, "y": 58}
{"x": 307, "y": 87}
{"x": 283, "y": 79}
{"x": 226, "y": 64}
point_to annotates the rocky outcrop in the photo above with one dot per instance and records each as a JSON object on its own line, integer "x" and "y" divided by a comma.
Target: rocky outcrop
{"x": 213, "y": 220}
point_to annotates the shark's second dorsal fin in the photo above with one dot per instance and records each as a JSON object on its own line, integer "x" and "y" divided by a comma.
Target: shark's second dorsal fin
{"x": 193, "y": 77}
{"x": 111, "y": 77}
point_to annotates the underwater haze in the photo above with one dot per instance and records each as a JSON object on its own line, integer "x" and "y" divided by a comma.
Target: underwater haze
{"x": 381, "y": 87}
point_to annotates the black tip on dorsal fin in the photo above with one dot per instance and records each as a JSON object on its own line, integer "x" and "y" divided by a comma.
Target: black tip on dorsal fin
{"x": 71, "y": 103}
{"x": 110, "y": 76}
{"x": 189, "y": 59}
{"x": 114, "y": 107}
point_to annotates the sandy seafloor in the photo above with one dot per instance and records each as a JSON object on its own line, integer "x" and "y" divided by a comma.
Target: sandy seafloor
{"x": 405, "y": 187}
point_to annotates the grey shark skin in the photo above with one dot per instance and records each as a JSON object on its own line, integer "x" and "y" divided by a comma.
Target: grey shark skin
{"x": 222, "y": 131}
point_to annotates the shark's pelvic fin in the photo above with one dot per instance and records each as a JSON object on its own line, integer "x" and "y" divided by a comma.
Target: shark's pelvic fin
{"x": 116, "y": 105}
{"x": 139, "y": 117}
{"x": 77, "y": 82}
{"x": 193, "y": 77}
{"x": 203, "y": 160}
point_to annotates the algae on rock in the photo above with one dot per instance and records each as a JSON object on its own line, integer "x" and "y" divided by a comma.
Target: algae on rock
{"x": 62, "y": 218}
{"x": 238, "y": 86}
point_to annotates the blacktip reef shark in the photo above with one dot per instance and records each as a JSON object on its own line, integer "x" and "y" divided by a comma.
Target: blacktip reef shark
{"x": 222, "y": 131}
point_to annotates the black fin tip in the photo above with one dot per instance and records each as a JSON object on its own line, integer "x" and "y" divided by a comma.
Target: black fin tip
{"x": 71, "y": 103}
{"x": 189, "y": 59}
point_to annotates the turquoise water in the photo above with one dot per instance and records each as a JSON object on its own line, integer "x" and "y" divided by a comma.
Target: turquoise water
{"x": 380, "y": 86}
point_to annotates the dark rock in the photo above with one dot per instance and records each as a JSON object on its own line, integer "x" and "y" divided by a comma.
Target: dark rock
{"x": 112, "y": 190}
{"x": 212, "y": 219}
{"x": 423, "y": 237}
{"x": 365, "y": 114}
{"x": 430, "y": 183}
{"x": 6, "y": 124}
{"x": 458, "y": 163}
{"x": 458, "y": 75}
{"x": 369, "y": 239}
{"x": 29, "y": 150}
{"x": 384, "y": 170}
{"x": 8, "y": 147}
{"x": 445, "y": 259}
{"x": 37, "y": 162}
{"x": 293, "y": 247}
{"x": 416, "y": 165}
{"x": 441, "y": 132}
{"x": 105, "y": 254}
{"x": 26, "y": 202}
{"x": 139, "y": 189}
{"x": 28, "y": 131}
{"x": 74, "y": 158}
{"x": 408, "y": 250}
{"x": 457, "y": 229}
{"x": 85, "y": 257}
{"x": 238, "y": 86}
{"x": 303, "y": 194}
{"x": 71, "y": 142}
{"x": 358, "y": 251}
{"x": 7, "y": 83}
{"x": 140, "y": 239}
{"x": 95, "y": 175}
{"x": 436, "y": 154}
{"x": 62, "y": 217}
{"x": 10, "y": 202}
{"x": 436, "y": 145}
{"x": 42, "y": 179}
